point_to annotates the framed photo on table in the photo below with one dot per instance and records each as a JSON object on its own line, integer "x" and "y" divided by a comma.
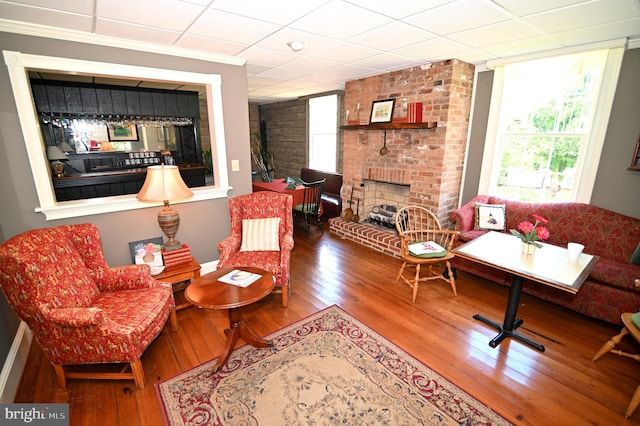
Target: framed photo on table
{"x": 382, "y": 111}
{"x": 147, "y": 251}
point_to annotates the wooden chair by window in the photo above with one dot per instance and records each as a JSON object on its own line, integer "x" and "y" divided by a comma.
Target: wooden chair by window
{"x": 416, "y": 227}
{"x": 629, "y": 328}
{"x": 310, "y": 209}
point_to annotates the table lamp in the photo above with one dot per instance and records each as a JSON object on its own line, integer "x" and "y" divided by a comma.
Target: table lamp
{"x": 55, "y": 154}
{"x": 164, "y": 183}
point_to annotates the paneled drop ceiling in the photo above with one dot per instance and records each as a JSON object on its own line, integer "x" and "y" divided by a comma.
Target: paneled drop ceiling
{"x": 344, "y": 39}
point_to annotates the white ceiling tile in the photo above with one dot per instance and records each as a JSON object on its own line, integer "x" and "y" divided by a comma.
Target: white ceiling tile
{"x": 398, "y": 9}
{"x": 136, "y": 32}
{"x": 257, "y": 82}
{"x": 585, "y": 15}
{"x": 211, "y": 45}
{"x": 345, "y": 53}
{"x": 349, "y": 72}
{"x": 431, "y": 50}
{"x": 230, "y": 27}
{"x": 594, "y": 33}
{"x": 501, "y": 32}
{"x": 279, "y": 40}
{"x": 307, "y": 63}
{"x": 473, "y": 56}
{"x": 169, "y": 14}
{"x": 319, "y": 78}
{"x": 524, "y": 8}
{"x": 458, "y": 16}
{"x": 255, "y": 69}
{"x": 38, "y": 16}
{"x": 521, "y": 47}
{"x": 392, "y": 36}
{"x": 339, "y": 20}
{"x": 384, "y": 61}
{"x": 283, "y": 73}
{"x": 280, "y": 12}
{"x": 84, "y": 7}
{"x": 266, "y": 57}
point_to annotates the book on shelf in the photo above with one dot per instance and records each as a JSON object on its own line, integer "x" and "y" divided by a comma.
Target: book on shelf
{"x": 240, "y": 278}
{"x": 414, "y": 112}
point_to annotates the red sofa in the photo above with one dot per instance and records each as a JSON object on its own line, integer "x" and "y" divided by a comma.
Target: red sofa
{"x": 608, "y": 291}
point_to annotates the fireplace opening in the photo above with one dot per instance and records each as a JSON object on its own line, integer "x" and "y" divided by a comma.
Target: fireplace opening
{"x": 381, "y": 202}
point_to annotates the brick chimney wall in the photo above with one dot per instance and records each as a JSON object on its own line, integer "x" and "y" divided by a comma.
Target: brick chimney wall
{"x": 429, "y": 161}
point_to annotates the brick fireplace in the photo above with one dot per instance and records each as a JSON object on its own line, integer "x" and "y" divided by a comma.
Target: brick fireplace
{"x": 422, "y": 166}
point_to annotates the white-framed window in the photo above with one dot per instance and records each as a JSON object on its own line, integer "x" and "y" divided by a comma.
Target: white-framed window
{"x": 323, "y": 132}
{"x": 547, "y": 123}
{"x": 19, "y": 64}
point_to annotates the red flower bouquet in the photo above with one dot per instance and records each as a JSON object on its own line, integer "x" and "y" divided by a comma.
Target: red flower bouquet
{"x": 531, "y": 233}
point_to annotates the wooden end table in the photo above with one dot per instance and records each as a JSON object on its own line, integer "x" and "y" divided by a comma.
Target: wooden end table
{"x": 179, "y": 273}
{"x": 208, "y": 292}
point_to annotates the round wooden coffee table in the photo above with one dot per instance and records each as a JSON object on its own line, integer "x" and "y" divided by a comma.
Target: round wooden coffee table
{"x": 208, "y": 292}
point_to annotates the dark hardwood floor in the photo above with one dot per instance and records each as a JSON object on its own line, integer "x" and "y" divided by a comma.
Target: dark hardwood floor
{"x": 561, "y": 386}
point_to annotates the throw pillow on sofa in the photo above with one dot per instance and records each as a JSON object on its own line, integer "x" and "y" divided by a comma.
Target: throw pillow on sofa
{"x": 490, "y": 217}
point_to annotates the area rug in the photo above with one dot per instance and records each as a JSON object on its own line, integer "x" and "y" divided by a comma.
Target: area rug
{"x": 326, "y": 369}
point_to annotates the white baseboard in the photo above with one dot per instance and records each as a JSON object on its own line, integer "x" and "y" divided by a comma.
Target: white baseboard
{"x": 14, "y": 364}
{"x": 17, "y": 357}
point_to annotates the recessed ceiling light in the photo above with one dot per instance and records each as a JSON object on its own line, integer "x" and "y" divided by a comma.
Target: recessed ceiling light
{"x": 296, "y": 46}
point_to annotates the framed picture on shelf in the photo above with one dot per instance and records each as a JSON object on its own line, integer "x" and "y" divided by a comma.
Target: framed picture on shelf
{"x": 382, "y": 111}
{"x": 147, "y": 251}
{"x": 128, "y": 132}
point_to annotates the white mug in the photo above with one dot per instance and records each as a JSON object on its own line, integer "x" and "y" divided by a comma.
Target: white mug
{"x": 573, "y": 251}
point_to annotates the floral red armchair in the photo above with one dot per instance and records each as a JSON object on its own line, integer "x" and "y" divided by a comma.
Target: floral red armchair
{"x": 79, "y": 309}
{"x": 257, "y": 206}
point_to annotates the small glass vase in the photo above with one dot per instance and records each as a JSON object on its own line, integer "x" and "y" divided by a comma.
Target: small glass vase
{"x": 528, "y": 248}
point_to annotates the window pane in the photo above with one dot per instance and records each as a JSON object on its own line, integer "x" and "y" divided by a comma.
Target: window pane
{"x": 545, "y": 118}
{"x": 323, "y": 120}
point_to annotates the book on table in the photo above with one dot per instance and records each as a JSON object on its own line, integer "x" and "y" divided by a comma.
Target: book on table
{"x": 240, "y": 278}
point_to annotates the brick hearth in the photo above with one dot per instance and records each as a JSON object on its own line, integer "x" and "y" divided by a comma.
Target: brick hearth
{"x": 376, "y": 238}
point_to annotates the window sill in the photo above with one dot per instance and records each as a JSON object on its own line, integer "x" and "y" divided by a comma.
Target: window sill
{"x": 92, "y": 206}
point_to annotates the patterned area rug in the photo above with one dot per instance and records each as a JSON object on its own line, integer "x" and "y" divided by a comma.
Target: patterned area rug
{"x": 326, "y": 369}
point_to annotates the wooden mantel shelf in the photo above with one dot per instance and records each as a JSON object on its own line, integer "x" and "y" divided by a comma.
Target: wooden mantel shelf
{"x": 391, "y": 126}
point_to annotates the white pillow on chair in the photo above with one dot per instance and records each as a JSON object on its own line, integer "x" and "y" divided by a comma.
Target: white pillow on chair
{"x": 260, "y": 234}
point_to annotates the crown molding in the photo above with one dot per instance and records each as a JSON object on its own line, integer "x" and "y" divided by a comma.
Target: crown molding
{"x": 36, "y": 30}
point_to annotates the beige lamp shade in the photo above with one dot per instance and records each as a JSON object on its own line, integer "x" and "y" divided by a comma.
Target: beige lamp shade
{"x": 164, "y": 183}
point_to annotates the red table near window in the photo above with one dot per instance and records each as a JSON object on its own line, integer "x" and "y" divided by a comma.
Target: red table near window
{"x": 278, "y": 185}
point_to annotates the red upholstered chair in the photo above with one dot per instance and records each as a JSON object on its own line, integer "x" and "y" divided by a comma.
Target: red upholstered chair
{"x": 276, "y": 260}
{"x": 79, "y": 309}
